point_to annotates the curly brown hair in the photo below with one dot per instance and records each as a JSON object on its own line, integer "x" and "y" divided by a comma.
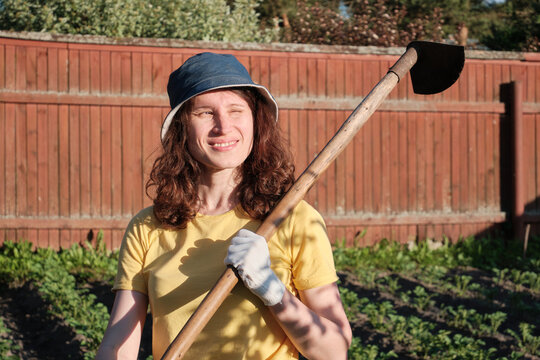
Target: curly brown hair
{"x": 266, "y": 174}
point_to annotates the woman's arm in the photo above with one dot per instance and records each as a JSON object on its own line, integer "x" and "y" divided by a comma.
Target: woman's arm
{"x": 316, "y": 325}
{"x": 123, "y": 334}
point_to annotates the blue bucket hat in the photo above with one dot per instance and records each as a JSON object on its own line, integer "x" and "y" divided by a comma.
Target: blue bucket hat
{"x": 204, "y": 72}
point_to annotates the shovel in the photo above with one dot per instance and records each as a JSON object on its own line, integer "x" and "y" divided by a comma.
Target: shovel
{"x": 434, "y": 67}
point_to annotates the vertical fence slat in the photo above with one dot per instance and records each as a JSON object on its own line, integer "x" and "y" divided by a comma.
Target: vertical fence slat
{"x": 42, "y": 161}
{"x": 95, "y": 160}
{"x": 41, "y": 68}
{"x": 136, "y": 186}
{"x": 32, "y": 160}
{"x": 20, "y": 68}
{"x": 106, "y": 162}
{"x": 116, "y": 161}
{"x": 320, "y": 140}
{"x": 386, "y": 163}
{"x": 472, "y": 175}
{"x": 421, "y": 163}
{"x": 84, "y": 71}
{"x": 367, "y": 180}
{"x": 412, "y": 176}
{"x": 21, "y": 157}
{"x": 2, "y": 69}
{"x": 456, "y": 161}
{"x": 402, "y": 166}
{"x": 377, "y": 163}
{"x": 10, "y": 67}
{"x": 63, "y": 163}
{"x": 490, "y": 158}
{"x": 394, "y": 160}
{"x": 85, "y": 147}
{"x": 52, "y": 163}
{"x": 3, "y": 160}
{"x": 74, "y": 161}
{"x": 73, "y": 76}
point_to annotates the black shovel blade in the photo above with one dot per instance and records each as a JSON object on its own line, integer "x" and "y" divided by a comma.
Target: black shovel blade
{"x": 437, "y": 68}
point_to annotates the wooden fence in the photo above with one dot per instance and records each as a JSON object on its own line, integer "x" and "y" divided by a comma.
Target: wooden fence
{"x": 80, "y": 120}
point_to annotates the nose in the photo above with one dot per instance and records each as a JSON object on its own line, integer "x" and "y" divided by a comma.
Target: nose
{"x": 222, "y": 122}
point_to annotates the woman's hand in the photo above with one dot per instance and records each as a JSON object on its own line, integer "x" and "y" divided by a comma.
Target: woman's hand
{"x": 248, "y": 253}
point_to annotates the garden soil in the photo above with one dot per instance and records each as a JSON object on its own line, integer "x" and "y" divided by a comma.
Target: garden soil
{"x": 38, "y": 335}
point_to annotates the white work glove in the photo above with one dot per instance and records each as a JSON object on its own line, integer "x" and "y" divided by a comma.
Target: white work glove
{"x": 249, "y": 254}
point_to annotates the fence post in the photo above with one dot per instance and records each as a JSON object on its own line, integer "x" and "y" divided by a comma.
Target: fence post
{"x": 516, "y": 115}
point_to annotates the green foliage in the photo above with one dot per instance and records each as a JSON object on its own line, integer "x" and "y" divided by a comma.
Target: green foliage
{"x": 406, "y": 311}
{"x": 6, "y": 345}
{"x": 188, "y": 19}
{"x": 516, "y": 26}
{"x": 375, "y": 22}
{"x": 528, "y": 343}
{"x": 50, "y": 272}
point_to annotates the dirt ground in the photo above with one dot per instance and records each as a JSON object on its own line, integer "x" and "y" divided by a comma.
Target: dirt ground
{"x": 38, "y": 335}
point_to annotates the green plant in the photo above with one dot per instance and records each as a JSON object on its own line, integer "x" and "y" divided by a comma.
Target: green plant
{"x": 527, "y": 342}
{"x": 422, "y": 299}
{"x": 6, "y": 345}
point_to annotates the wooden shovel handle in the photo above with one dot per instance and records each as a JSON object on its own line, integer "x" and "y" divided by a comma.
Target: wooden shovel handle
{"x": 178, "y": 348}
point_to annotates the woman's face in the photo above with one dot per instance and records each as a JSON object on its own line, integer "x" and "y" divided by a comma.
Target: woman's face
{"x": 220, "y": 130}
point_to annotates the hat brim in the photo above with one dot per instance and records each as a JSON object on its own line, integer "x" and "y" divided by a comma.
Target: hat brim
{"x": 262, "y": 90}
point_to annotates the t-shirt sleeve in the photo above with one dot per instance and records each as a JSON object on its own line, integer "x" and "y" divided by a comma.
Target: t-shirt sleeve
{"x": 313, "y": 262}
{"x": 130, "y": 275}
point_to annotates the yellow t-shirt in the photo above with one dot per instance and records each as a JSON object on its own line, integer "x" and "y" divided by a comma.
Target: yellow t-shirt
{"x": 176, "y": 269}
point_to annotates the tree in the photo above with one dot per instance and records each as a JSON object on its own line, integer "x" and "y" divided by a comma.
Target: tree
{"x": 365, "y": 22}
{"x": 516, "y": 26}
{"x": 183, "y": 19}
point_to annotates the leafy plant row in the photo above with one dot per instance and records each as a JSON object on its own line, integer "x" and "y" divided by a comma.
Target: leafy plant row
{"x": 460, "y": 301}
{"x": 55, "y": 276}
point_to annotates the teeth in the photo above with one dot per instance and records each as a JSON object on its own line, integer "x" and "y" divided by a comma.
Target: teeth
{"x": 225, "y": 144}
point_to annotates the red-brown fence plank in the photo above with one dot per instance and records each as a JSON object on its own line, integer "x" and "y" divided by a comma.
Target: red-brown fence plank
{"x": 41, "y": 68}
{"x": 95, "y": 161}
{"x": 73, "y": 78}
{"x": 20, "y": 68}
{"x": 85, "y": 147}
{"x": 136, "y": 185}
{"x": 412, "y": 179}
{"x": 403, "y": 166}
{"x": 84, "y": 71}
{"x": 31, "y": 71}
{"x": 394, "y": 160}
{"x": 106, "y": 162}
{"x": 42, "y": 161}
{"x": 21, "y": 160}
{"x": 116, "y": 160}
{"x": 471, "y": 174}
{"x": 10, "y": 67}
{"x": 74, "y": 161}
{"x": 490, "y": 162}
{"x": 319, "y": 122}
{"x": 31, "y": 161}
{"x": 446, "y": 162}
{"x": 3, "y": 159}
{"x": 386, "y": 164}
{"x": 52, "y": 160}
{"x": 367, "y": 160}
{"x": 3, "y": 67}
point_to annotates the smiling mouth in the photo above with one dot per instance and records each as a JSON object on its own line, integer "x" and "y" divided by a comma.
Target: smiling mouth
{"x": 224, "y": 144}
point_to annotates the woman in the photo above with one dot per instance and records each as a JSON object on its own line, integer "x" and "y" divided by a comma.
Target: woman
{"x": 223, "y": 168}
